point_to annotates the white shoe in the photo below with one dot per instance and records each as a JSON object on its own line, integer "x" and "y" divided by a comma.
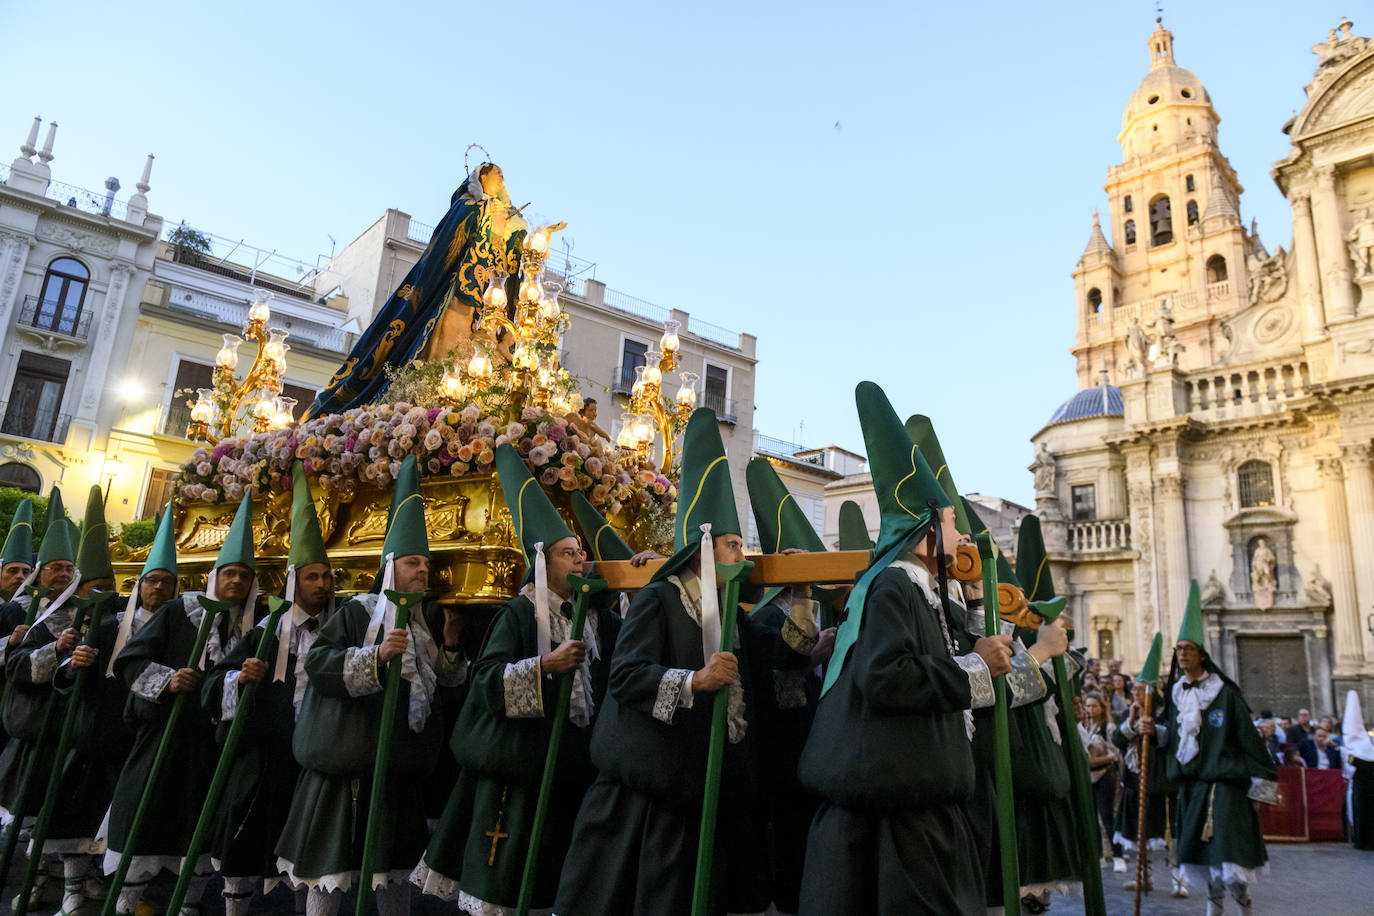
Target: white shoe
{"x": 1118, "y": 864}
{"x": 1180, "y": 889}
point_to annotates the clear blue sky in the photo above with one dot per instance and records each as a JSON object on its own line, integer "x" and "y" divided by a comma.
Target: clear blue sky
{"x": 877, "y": 191}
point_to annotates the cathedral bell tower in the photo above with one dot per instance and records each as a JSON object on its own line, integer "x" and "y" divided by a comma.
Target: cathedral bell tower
{"x": 1177, "y": 248}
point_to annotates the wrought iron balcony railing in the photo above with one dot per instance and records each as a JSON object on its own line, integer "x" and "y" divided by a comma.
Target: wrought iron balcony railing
{"x": 30, "y": 421}
{"x": 54, "y": 317}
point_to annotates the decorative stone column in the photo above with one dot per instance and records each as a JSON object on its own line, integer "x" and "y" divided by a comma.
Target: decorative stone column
{"x": 102, "y": 343}
{"x": 1338, "y": 295}
{"x": 1358, "y": 459}
{"x": 1349, "y": 641}
{"x": 1174, "y": 534}
{"x": 14, "y": 254}
{"x": 1309, "y": 274}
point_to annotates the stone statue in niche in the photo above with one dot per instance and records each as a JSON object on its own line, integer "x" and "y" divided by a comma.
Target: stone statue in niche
{"x": 1043, "y": 469}
{"x": 1137, "y": 346}
{"x": 1359, "y": 242}
{"x": 1263, "y": 582}
{"x": 1213, "y": 594}
{"x": 1317, "y": 589}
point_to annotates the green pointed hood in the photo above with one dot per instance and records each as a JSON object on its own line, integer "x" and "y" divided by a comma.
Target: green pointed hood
{"x": 93, "y": 553}
{"x": 602, "y": 541}
{"x": 781, "y": 523}
{"x": 919, "y": 428}
{"x": 853, "y": 528}
{"x": 238, "y": 543}
{"x": 406, "y": 534}
{"x": 1033, "y": 565}
{"x": 1149, "y": 673}
{"x": 532, "y": 513}
{"x": 163, "y": 553}
{"x": 19, "y": 542}
{"x": 902, "y": 479}
{"x": 307, "y": 544}
{"x": 1192, "y": 630}
{"x": 705, "y": 494}
{"x": 55, "y": 509}
{"x": 57, "y": 542}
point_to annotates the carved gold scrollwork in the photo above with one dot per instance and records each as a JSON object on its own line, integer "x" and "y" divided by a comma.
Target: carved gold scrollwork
{"x": 371, "y": 527}
{"x": 206, "y": 533}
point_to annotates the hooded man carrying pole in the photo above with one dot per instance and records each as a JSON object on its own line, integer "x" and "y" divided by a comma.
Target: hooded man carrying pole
{"x": 892, "y": 834}
{"x": 504, "y": 729}
{"x": 263, "y": 773}
{"x": 157, "y": 666}
{"x": 1218, "y": 761}
{"x": 638, "y": 830}
{"x": 16, "y": 558}
{"x": 336, "y": 740}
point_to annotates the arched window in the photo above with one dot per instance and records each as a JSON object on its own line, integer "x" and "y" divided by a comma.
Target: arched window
{"x": 1126, "y": 204}
{"x": 1256, "y": 484}
{"x": 1161, "y": 221}
{"x": 1216, "y": 269}
{"x": 1095, "y": 300}
{"x": 1188, "y": 184}
{"x": 1192, "y": 213}
{"x": 64, "y": 291}
{"x": 20, "y": 476}
{"x": 1130, "y": 232}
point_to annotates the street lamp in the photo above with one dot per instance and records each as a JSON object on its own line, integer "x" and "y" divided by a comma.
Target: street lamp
{"x": 108, "y": 469}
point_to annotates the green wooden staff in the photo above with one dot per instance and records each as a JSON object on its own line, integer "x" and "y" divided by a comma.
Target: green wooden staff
{"x": 1001, "y": 739}
{"x": 584, "y": 588}
{"x": 402, "y": 601}
{"x": 1080, "y": 784}
{"x": 30, "y": 776}
{"x": 276, "y": 607}
{"x": 209, "y": 610}
{"x": 715, "y": 751}
{"x": 94, "y": 605}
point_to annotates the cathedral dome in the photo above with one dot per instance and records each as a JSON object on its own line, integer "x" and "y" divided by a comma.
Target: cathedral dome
{"x": 1169, "y": 106}
{"x": 1166, "y": 84}
{"x": 1102, "y": 401}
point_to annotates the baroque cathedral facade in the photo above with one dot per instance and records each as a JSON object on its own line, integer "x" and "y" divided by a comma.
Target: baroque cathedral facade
{"x": 1223, "y": 429}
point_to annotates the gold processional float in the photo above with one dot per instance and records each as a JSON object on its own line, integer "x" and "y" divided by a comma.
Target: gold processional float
{"x": 503, "y": 382}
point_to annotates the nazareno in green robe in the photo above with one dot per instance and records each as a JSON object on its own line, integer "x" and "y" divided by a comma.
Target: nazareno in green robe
{"x": 156, "y": 652}
{"x": 1215, "y": 823}
{"x": 635, "y": 841}
{"x": 100, "y": 744}
{"x": 890, "y": 755}
{"x": 501, "y": 740}
{"x": 28, "y": 673}
{"x": 321, "y": 845}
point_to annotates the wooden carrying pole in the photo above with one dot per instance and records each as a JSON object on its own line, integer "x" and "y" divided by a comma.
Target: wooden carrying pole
{"x": 584, "y": 589}
{"x": 384, "y": 732}
{"x": 207, "y": 621}
{"x": 64, "y": 745}
{"x": 1001, "y": 737}
{"x": 730, "y": 577}
{"x": 1142, "y": 852}
{"x": 226, "y": 760}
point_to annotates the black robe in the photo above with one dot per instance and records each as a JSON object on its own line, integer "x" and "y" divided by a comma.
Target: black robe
{"x": 29, "y": 701}
{"x": 635, "y": 842}
{"x": 891, "y": 758}
{"x": 1157, "y": 790}
{"x": 161, "y": 647}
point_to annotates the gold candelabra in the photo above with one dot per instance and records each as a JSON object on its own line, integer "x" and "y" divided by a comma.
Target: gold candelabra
{"x": 220, "y": 411}
{"x": 652, "y": 415}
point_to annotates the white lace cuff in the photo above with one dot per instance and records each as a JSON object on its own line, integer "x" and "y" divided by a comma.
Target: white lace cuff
{"x": 152, "y": 681}
{"x": 980, "y": 690}
{"x": 1264, "y": 791}
{"x": 229, "y": 698}
{"x": 524, "y": 698}
{"x": 1024, "y": 680}
{"x": 671, "y": 688}
{"x": 800, "y": 635}
{"x": 42, "y": 663}
{"x": 360, "y": 671}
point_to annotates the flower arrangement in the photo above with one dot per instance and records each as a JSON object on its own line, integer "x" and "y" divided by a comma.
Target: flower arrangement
{"x": 365, "y": 446}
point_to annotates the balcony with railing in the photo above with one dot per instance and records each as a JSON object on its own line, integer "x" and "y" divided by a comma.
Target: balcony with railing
{"x": 1100, "y": 536}
{"x": 234, "y": 312}
{"x": 727, "y": 411}
{"x": 1111, "y": 321}
{"x": 32, "y": 421}
{"x": 1242, "y": 393}
{"x": 51, "y": 316}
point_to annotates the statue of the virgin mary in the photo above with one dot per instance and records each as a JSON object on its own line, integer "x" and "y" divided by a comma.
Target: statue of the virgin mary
{"x": 433, "y": 308}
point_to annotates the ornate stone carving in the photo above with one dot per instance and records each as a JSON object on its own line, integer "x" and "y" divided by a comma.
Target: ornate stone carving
{"x": 1263, "y": 582}
{"x": 1167, "y": 345}
{"x": 1137, "y": 348}
{"x": 1142, "y": 511}
{"x": 1170, "y": 487}
{"x": 1329, "y": 467}
{"x": 1339, "y": 47}
{"x": 1359, "y": 242}
{"x": 1268, "y": 278}
{"x": 1043, "y": 469}
{"x": 1213, "y": 592}
{"x": 1317, "y": 589}
{"x": 76, "y": 239}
